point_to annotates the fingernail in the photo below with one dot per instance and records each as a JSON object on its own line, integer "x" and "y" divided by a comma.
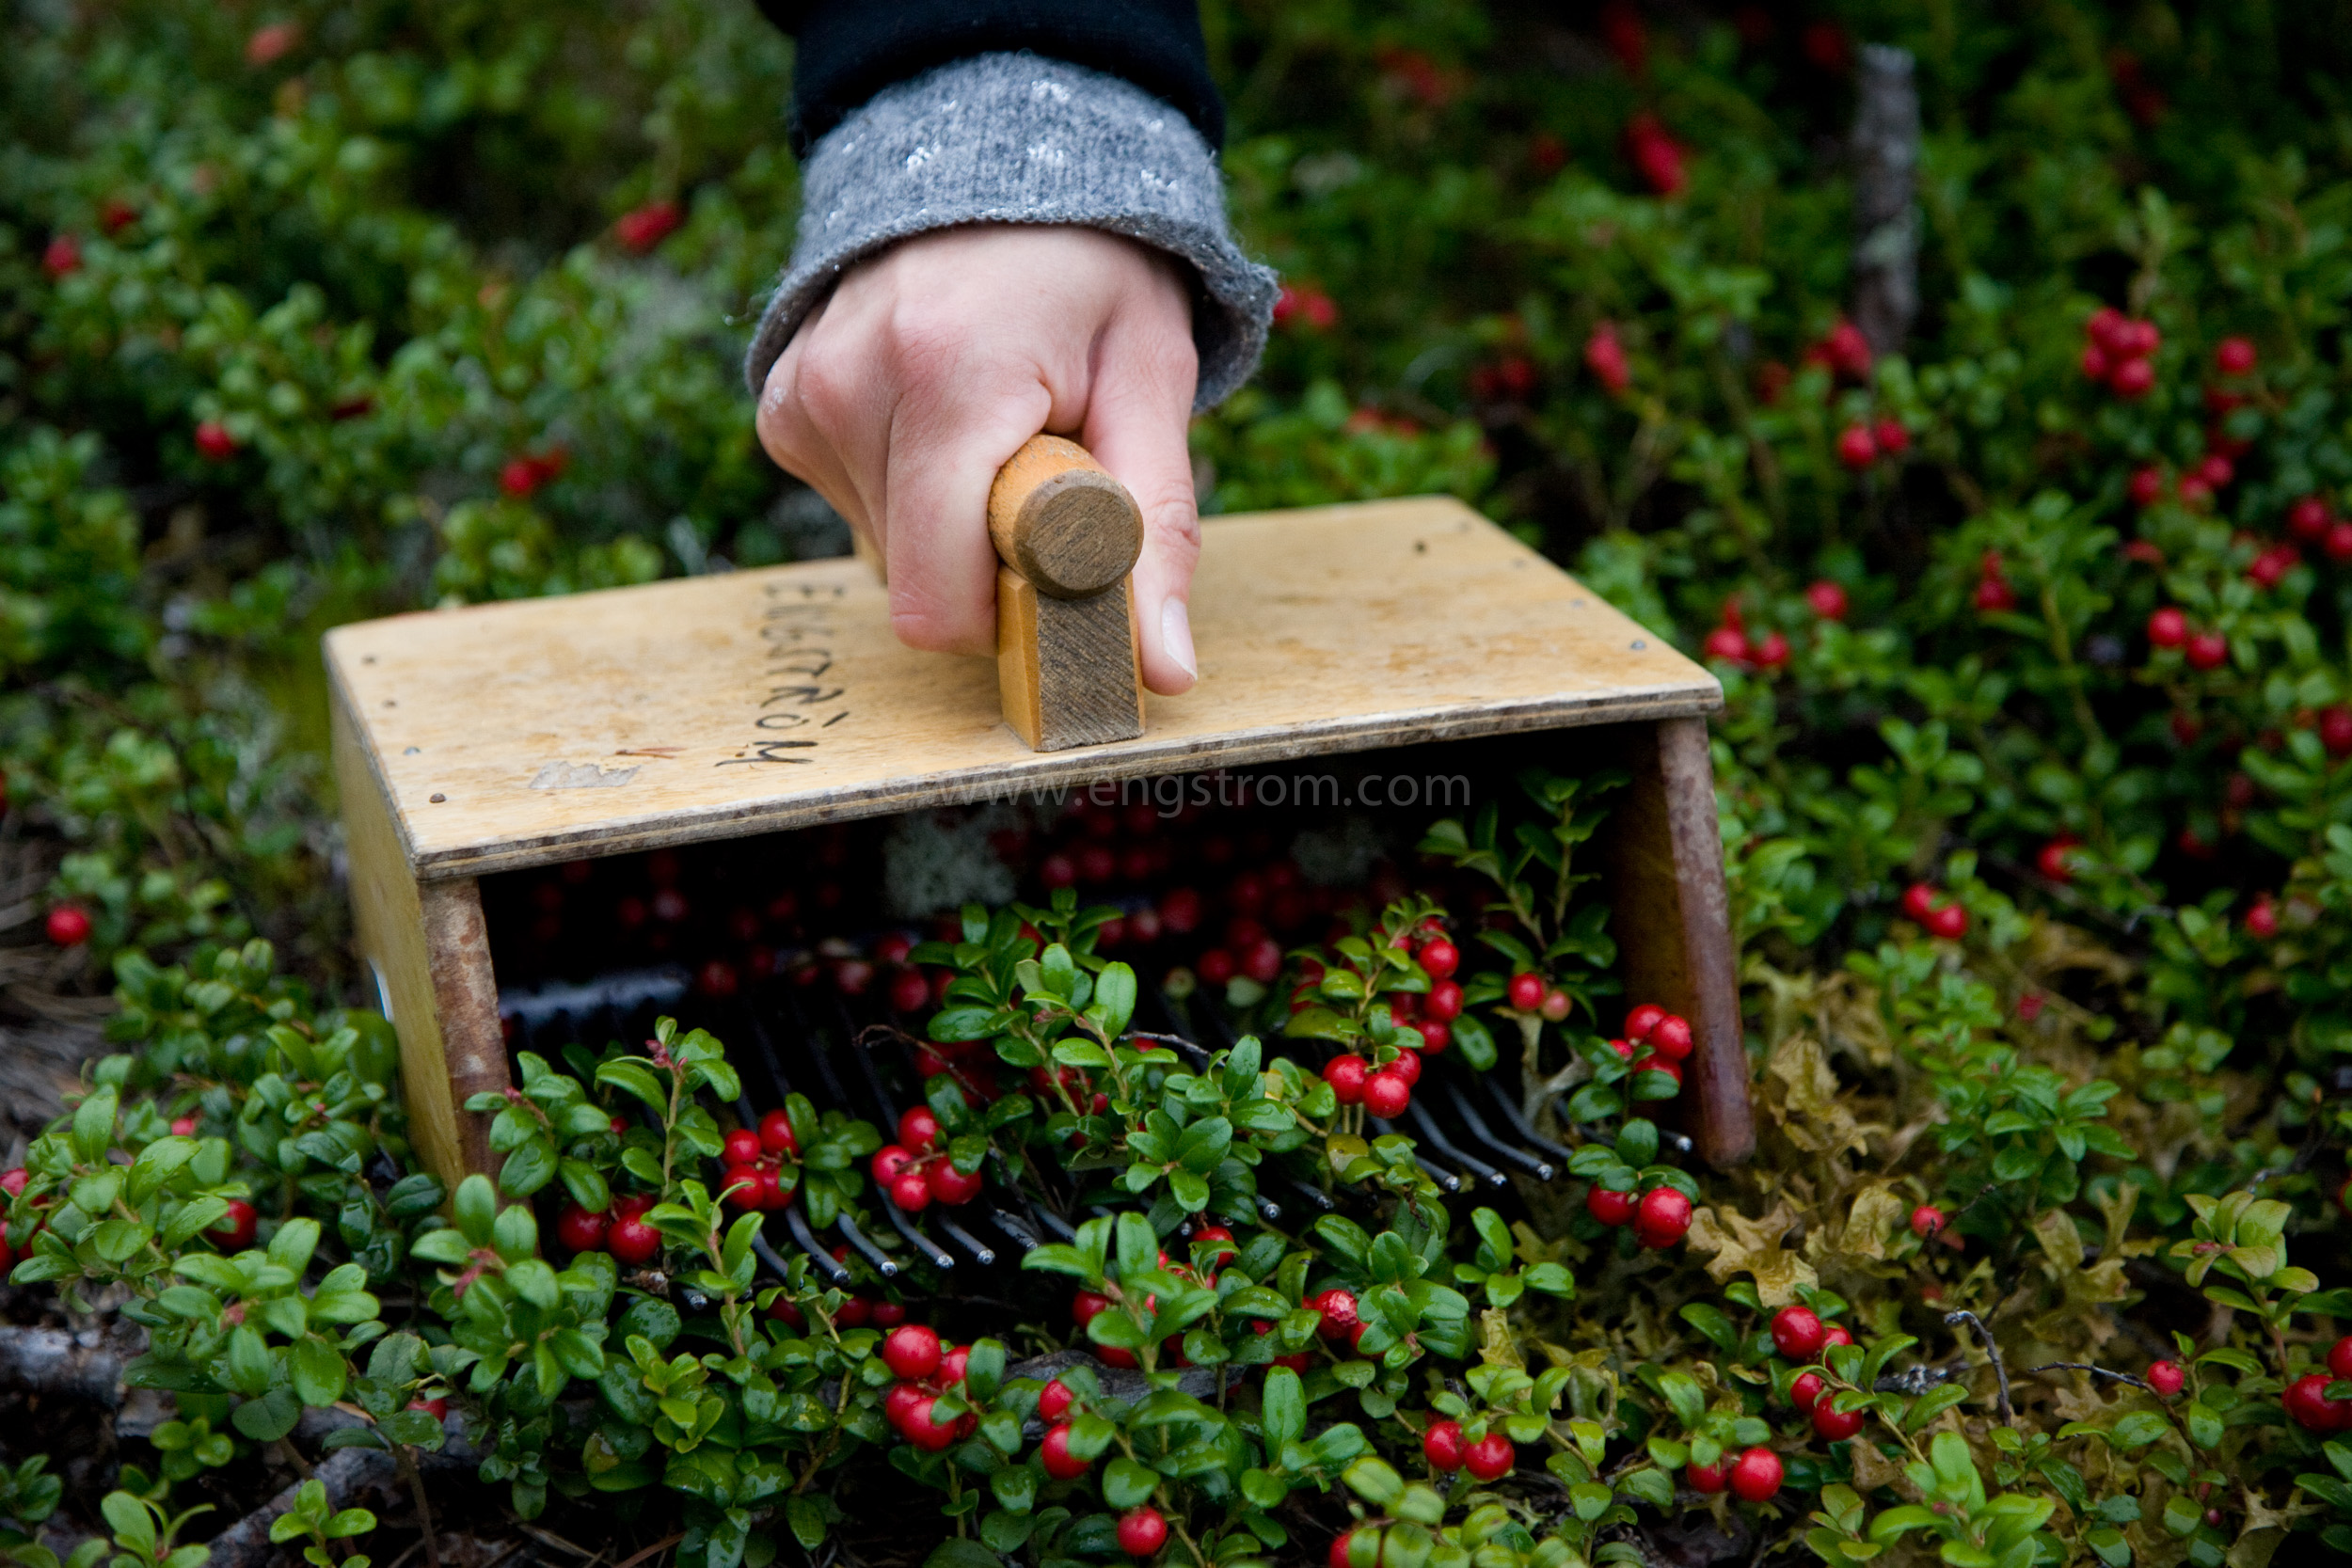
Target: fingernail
{"x": 1176, "y": 636}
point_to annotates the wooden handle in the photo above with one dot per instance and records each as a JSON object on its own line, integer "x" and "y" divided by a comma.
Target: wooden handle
{"x": 1068, "y": 534}
{"x": 1060, "y": 520}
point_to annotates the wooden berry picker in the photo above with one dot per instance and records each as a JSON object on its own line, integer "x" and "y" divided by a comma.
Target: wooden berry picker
{"x": 1160, "y": 1131}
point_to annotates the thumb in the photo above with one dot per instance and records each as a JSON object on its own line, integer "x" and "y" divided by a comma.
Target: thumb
{"x": 1139, "y": 410}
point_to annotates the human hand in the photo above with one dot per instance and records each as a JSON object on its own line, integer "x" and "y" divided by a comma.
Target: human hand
{"x": 903, "y": 393}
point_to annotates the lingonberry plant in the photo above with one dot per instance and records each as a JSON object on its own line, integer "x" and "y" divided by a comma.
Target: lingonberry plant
{"x": 2035, "y": 775}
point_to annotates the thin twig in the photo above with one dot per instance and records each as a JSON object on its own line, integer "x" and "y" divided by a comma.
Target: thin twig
{"x": 2095, "y": 1371}
{"x": 662, "y": 1546}
{"x": 2000, "y": 1373}
{"x": 416, "y": 1491}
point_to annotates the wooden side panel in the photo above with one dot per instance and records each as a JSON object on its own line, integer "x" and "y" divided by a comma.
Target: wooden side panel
{"x": 466, "y": 999}
{"x": 402, "y": 929}
{"x": 1672, "y": 922}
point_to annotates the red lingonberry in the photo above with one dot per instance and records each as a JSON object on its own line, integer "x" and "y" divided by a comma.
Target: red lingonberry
{"x": 1856, "y": 446}
{"x": 1610, "y": 1207}
{"x": 1828, "y": 599}
{"x": 742, "y": 1148}
{"x": 775, "y": 1133}
{"x": 1805, "y": 1390}
{"x": 1346, "y": 1075}
{"x": 632, "y": 1240}
{"x": 1605, "y": 358}
{"x": 233, "y": 1232}
{"x": 1708, "y": 1479}
{"x": 2262, "y": 921}
{"x": 1671, "y": 1037}
{"x": 2307, "y": 1402}
{"x": 1054, "y": 1400}
{"x": 1798, "y": 1333}
{"x": 1995, "y": 595}
{"x": 183, "y": 1127}
{"x": 1439, "y": 960}
{"x": 918, "y": 1129}
{"x": 1443, "y": 1445}
{"x": 63, "y": 258}
{"x": 2208, "y": 650}
{"x": 2166, "y": 1378}
{"x": 1490, "y": 1458}
{"x": 913, "y": 1351}
{"x": 213, "y": 442}
{"x": 1756, "y": 1474}
{"x": 2168, "y": 628}
{"x": 1832, "y": 1425}
{"x": 2335, "y": 729}
{"x": 1525, "y": 991}
{"x": 2054, "y": 859}
{"x": 1950, "y": 923}
{"x": 1662, "y": 1217}
{"x": 1773, "y": 652}
{"x": 1892, "y": 438}
{"x": 1387, "y": 1094}
{"x": 2233, "y": 356}
{"x": 910, "y": 992}
{"x": 2105, "y": 328}
{"x": 1443, "y": 1003}
{"x": 580, "y": 1230}
{"x": 67, "y": 926}
{"x": 1340, "y": 1318}
{"x": 2308, "y": 519}
{"x": 2340, "y": 1357}
{"x": 1926, "y": 1220}
{"x": 2095, "y": 363}
{"x": 1055, "y": 1454}
{"x": 642, "y": 228}
{"x": 1141, "y": 1532}
{"x": 889, "y": 1163}
{"x": 1728, "y": 643}
{"x": 2147, "y": 487}
{"x": 2133, "y": 378}
{"x": 1642, "y": 1019}
{"x": 911, "y": 1191}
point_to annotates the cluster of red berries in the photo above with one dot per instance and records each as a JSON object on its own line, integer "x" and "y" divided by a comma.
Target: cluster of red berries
{"x": 1660, "y": 1217}
{"x": 526, "y": 472}
{"x": 1507, "y": 380}
{"x": 1926, "y": 905}
{"x": 1799, "y": 1334}
{"x": 1305, "y": 305}
{"x": 1086, "y": 1305}
{"x": 1729, "y": 640}
{"x": 925, "y": 1368}
{"x": 1845, "y": 352}
{"x": 1655, "y": 1040}
{"x": 756, "y": 1174}
{"x": 620, "y": 1230}
{"x": 68, "y": 924}
{"x": 2119, "y": 351}
{"x": 2055, "y": 859}
{"x": 1604, "y": 355}
{"x": 640, "y": 229}
{"x": 2313, "y": 522}
{"x": 1993, "y": 596}
{"x": 1654, "y": 154}
{"x": 2306, "y": 1398}
{"x": 2168, "y": 628}
{"x": 1490, "y": 1458}
{"x": 1385, "y": 1090}
{"x": 1754, "y": 1477}
{"x": 915, "y": 1171}
{"x": 1141, "y": 1530}
{"x": 1860, "y": 445}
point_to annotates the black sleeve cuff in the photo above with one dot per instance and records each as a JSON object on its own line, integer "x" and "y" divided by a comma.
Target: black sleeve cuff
{"x": 850, "y": 50}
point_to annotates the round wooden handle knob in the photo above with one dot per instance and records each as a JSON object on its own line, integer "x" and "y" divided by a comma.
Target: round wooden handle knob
{"x": 1060, "y": 520}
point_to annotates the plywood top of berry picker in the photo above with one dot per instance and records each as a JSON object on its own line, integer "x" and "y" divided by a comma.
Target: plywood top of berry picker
{"x": 515, "y": 735}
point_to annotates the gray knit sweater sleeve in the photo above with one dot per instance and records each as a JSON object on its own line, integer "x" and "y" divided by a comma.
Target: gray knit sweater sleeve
{"x": 1017, "y": 138}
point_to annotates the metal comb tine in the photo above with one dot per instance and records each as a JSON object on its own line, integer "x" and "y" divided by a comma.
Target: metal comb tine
{"x": 1445, "y": 1178}
{"x": 885, "y": 1264}
{"x": 770, "y": 1255}
{"x": 1520, "y": 1123}
{"x": 837, "y": 1273}
{"x": 940, "y": 1257}
{"x": 1010, "y": 1225}
{"x": 981, "y": 1252}
{"x": 1481, "y": 1133}
{"x": 1438, "y": 1140}
{"x": 1316, "y": 1197}
{"x": 1269, "y": 1210}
